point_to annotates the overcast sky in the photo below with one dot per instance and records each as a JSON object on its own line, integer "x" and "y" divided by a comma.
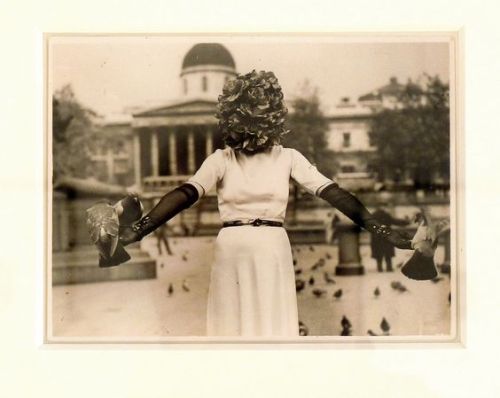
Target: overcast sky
{"x": 111, "y": 73}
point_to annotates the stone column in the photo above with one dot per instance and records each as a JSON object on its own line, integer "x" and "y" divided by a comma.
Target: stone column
{"x": 191, "y": 160}
{"x": 155, "y": 161}
{"x": 137, "y": 159}
{"x": 209, "y": 141}
{"x": 110, "y": 164}
{"x": 172, "y": 153}
{"x": 349, "y": 256}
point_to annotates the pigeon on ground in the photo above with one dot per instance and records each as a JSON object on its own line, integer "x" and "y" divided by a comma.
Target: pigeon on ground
{"x": 299, "y": 285}
{"x": 298, "y": 271}
{"x": 401, "y": 288}
{"x": 328, "y": 278}
{"x": 376, "y": 292}
{"x": 371, "y": 333}
{"x": 396, "y": 285}
{"x": 311, "y": 248}
{"x": 345, "y": 323}
{"x": 319, "y": 292}
{"x": 338, "y": 294}
{"x": 311, "y": 280}
{"x": 170, "y": 289}
{"x": 328, "y": 256}
{"x": 384, "y": 326}
{"x": 303, "y": 330}
{"x": 346, "y": 332}
{"x": 185, "y": 286}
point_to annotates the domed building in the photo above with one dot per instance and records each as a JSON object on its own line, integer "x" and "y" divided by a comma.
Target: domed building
{"x": 205, "y": 69}
{"x": 170, "y": 142}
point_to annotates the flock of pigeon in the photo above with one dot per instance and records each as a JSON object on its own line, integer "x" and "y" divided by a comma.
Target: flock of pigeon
{"x": 302, "y": 283}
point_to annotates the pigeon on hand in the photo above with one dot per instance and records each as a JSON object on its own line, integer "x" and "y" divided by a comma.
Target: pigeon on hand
{"x": 338, "y": 294}
{"x": 129, "y": 209}
{"x": 103, "y": 226}
{"x": 421, "y": 264}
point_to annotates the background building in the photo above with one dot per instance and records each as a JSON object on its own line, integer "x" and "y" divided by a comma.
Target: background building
{"x": 158, "y": 147}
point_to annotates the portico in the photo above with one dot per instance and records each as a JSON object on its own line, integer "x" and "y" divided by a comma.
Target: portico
{"x": 171, "y": 143}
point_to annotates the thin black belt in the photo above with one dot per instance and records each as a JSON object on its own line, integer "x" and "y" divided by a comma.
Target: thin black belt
{"x": 255, "y": 223}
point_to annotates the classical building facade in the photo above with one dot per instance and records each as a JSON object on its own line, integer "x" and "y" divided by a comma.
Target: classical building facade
{"x": 162, "y": 146}
{"x": 170, "y": 142}
{"x": 349, "y": 139}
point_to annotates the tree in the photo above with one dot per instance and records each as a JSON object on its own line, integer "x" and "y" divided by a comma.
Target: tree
{"x": 308, "y": 131}
{"x": 73, "y": 133}
{"x": 413, "y": 137}
{"x": 308, "y": 134}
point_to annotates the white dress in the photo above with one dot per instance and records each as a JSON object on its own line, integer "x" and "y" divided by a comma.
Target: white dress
{"x": 252, "y": 285}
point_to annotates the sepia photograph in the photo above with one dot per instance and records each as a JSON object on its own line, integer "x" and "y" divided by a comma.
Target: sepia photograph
{"x": 270, "y": 188}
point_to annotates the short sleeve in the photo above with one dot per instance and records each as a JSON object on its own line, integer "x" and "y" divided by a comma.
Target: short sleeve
{"x": 307, "y": 175}
{"x": 209, "y": 173}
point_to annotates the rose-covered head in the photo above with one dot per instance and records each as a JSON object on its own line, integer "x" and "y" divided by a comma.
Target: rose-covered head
{"x": 251, "y": 112}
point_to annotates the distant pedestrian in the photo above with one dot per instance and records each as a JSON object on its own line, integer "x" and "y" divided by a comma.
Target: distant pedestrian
{"x": 161, "y": 237}
{"x": 382, "y": 249}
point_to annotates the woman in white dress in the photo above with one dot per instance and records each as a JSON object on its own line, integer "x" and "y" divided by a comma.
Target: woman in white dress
{"x": 252, "y": 285}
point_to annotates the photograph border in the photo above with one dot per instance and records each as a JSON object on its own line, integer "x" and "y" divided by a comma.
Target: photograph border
{"x": 457, "y": 214}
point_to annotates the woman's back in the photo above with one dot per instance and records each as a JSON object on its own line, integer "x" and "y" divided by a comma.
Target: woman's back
{"x": 257, "y": 185}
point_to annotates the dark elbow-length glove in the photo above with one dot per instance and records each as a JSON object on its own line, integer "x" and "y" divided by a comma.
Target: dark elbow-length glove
{"x": 169, "y": 205}
{"x": 357, "y": 212}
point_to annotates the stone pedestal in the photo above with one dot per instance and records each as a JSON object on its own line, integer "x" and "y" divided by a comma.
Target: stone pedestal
{"x": 349, "y": 256}
{"x": 445, "y": 266}
{"x": 80, "y": 265}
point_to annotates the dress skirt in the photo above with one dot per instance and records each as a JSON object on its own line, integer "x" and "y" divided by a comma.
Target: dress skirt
{"x": 252, "y": 285}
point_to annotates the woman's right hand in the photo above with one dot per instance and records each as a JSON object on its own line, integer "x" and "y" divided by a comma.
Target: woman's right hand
{"x": 128, "y": 235}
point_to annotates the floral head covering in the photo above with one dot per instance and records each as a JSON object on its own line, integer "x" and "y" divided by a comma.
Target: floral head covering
{"x": 251, "y": 112}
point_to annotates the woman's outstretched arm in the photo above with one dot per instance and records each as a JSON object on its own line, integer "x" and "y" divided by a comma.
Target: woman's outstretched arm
{"x": 357, "y": 212}
{"x": 169, "y": 205}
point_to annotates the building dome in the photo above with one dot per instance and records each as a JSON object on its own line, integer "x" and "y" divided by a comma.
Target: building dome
{"x": 205, "y": 69}
{"x": 208, "y": 54}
